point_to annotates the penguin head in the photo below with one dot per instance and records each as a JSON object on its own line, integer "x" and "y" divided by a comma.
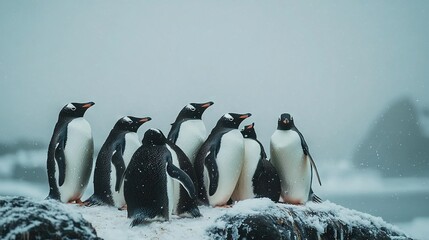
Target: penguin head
{"x": 75, "y": 110}
{"x": 232, "y": 120}
{"x": 249, "y": 131}
{"x": 285, "y": 122}
{"x": 154, "y": 136}
{"x": 193, "y": 111}
{"x": 130, "y": 123}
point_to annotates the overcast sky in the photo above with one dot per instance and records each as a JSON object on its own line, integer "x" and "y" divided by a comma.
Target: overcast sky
{"x": 334, "y": 65}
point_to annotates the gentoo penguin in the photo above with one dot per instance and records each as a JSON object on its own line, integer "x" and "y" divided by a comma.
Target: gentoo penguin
{"x": 148, "y": 186}
{"x": 112, "y": 160}
{"x": 294, "y": 164}
{"x": 258, "y": 176}
{"x": 69, "y": 162}
{"x": 219, "y": 161}
{"x": 188, "y": 131}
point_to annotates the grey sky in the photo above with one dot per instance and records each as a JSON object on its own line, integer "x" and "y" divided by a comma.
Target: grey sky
{"x": 333, "y": 64}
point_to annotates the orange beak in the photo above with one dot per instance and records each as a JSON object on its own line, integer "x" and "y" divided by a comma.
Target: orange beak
{"x": 88, "y": 105}
{"x": 206, "y": 105}
{"x": 146, "y": 119}
{"x": 244, "y": 116}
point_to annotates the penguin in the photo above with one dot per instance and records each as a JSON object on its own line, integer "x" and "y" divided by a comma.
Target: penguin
{"x": 70, "y": 151}
{"x": 258, "y": 177}
{"x": 148, "y": 180}
{"x": 188, "y": 131}
{"x": 112, "y": 160}
{"x": 292, "y": 159}
{"x": 219, "y": 161}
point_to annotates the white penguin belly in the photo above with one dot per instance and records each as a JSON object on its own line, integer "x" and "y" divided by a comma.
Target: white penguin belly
{"x": 174, "y": 191}
{"x": 78, "y": 153}
{"x": 229, "y": 162}
{"x": 192, "y": 135}
{"x": 244, "y": 187}
{"x": 292, "y": 165}
{"x": 132, "y": 143}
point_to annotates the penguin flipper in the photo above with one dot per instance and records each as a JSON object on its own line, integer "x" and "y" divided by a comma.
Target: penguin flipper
{"x": 60, "y": 158}
{"x": 313, "y": 165}
{"x": 182, "y": 177}
{"x": 307, "y": 152}
{"x": 210, "y": 163}
{"x": 118, "y": 162}
{"x": 174, "y": 132}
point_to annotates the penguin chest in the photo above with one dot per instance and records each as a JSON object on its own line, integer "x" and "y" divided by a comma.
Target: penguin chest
{"x": 78, "y": 153}
{"x": 252, "y": 155}
{"x": 132, "y": 143}
{"x": 191, "y": 136}
{"x": 292, "y": 165}
{"x": 229, "y": 162}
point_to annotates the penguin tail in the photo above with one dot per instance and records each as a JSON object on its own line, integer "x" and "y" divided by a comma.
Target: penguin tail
{"x": 191, "y": 213}
{"x": 143, "y": 218}
{"x": 93, "y": 201}
{"x": 315, "y": 198}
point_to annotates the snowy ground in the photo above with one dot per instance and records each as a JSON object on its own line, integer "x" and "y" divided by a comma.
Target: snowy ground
{"x": 343, "y": 182}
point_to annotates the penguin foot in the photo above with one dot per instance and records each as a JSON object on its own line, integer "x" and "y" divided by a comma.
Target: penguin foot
{"x": 224, "y": 206}
{"x": 79, "y": 202}
{"x": 192, "y": 213}
{"x": 125, "y": 207}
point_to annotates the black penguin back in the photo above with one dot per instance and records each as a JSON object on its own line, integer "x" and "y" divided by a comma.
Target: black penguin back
{"x": 145, "y": 186}
{"x": 266, "y": 181}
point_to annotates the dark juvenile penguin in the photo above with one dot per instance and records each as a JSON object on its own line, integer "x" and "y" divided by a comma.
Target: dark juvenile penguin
{"x": 70, "y": 151}
{"x": 294, "y": 164}
{"x": 112, "y": 160}
{"x": 219, "y": 161}
{"x": 148, "y": 186}
{"x": 258, "y": 176}
{"x": 188, "y": 131}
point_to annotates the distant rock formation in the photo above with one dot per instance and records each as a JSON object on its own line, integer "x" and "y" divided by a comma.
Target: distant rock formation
{"x": 312, "y": 221}
{"x": 22, "y": 218}
{"x": 395, "y": 145}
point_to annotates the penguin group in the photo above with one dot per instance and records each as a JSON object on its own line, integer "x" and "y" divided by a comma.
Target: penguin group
{"x": 175, "y": 173}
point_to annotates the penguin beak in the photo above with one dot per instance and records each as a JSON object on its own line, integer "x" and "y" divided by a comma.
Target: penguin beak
{"x": 250, "y": 126}
{"x": 285, "y": 121}
{"x": 206, "y": 105}
{"x": 244, "y": 116}
{"x": 88, "y": 105}
{"x": 146, "y": 119}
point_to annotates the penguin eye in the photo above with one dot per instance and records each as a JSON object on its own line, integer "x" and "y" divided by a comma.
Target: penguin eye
{"x": 228, "y": 117}
{"x": 71, "y": 107}
{"x": 190, "y": 107}
{"x": 128, "y": 120}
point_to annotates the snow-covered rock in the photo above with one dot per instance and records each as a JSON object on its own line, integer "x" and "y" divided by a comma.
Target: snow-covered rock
{"x": 262, "y": 219}
{"x": 23, "y": 218}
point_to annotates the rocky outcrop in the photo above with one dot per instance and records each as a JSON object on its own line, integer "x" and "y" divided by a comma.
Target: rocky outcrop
{"x": 312, "y": 221}
{"x": 23, "y": 218}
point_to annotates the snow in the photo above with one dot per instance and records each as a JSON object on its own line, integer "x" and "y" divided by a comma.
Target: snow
{"x": 111, "y": 223}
